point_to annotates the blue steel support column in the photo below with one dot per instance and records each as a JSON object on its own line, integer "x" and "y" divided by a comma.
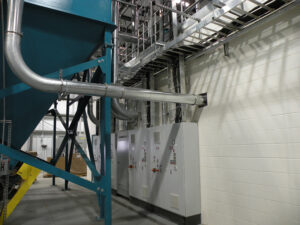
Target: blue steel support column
{"x": 54, "y": 139}
{"x": 105, "y": 123}
{"x": 67, "y": 144}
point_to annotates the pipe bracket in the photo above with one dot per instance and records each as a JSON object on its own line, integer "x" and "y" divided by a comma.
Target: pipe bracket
{"x": 106, "y": 89}
{"x": 14, "y": 32}
{"x": 204, "y": 97}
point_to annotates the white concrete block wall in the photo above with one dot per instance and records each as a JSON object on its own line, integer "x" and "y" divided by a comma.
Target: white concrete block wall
{"x": 250, "y": 132}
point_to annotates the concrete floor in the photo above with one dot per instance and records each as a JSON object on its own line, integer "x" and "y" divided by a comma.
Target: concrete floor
{"x": 46, "y": 204}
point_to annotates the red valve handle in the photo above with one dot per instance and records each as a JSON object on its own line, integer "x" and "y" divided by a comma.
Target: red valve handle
{"x": 154, "y": 170}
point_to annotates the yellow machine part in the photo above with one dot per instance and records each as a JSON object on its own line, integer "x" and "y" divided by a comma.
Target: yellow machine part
{"x": 28, "y": 175}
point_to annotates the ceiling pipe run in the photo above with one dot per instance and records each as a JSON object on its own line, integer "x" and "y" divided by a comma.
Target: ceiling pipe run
{"x": 25, "y": 74}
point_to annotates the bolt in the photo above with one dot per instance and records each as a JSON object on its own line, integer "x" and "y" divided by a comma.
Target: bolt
{"x": 102, "y": 190}
{"x": 98, "y": 188}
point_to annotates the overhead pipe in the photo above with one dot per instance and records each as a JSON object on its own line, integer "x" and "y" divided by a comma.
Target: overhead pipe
{"x": 116, "y": 43}
{"x": 25, "y": 74}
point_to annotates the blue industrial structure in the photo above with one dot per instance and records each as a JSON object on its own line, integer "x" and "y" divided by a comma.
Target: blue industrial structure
{"x": 61, "y": 36}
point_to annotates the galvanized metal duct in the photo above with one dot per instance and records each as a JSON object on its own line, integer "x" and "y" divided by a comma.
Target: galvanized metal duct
{"x": 91, "y": 114}
{"x": 120, "y": 110}
{"x": 119, "y": 117}
{"x": 25, "y": 74}
{"x": 96, "y": 121}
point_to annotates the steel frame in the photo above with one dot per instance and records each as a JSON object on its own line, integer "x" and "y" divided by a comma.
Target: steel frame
{"x": 101, "y": 183}
{"x": 222, "y": 21}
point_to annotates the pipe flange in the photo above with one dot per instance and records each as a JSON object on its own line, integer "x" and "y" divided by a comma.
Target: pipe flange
{"x": 106, "y": 89}
{"x": 123, "y": 93}
{"x": 14, "y": 32}
{"x": 63, "y": 89}
{"x": 203, "y": 102}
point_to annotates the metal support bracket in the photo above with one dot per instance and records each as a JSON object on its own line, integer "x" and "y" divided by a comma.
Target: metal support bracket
{"x": 205, "y": 103}
{"x": 226, "y": 49}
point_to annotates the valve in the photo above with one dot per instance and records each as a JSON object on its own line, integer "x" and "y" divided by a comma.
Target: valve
{"x": 154, "y": 170}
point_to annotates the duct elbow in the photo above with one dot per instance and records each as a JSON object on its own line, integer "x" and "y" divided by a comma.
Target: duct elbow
{"x": 91, "y": 114}
{"x": 14, "y": 56}
{"x": 22, "y": 71}
{"x": 120, "y": 110}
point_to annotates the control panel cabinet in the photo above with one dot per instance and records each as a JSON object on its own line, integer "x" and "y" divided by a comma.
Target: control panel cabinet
{"x": 97, "y": 156}
{"x": 163, "y": 165}
{"x": 139, "y": 164}
{"x": 123, "y": 163}
{"x": 132, "y": 162}
{"x": 157, "y": 165}
{"x": 175, "y": 169}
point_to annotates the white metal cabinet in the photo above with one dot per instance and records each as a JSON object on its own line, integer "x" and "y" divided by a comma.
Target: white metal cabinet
{"x": 139, "y": 164}
{"x": 122, "y": 163}
{"x": 174, "y": 168}
{"x": 163, "y": 165}
{"x": 156, "y": 169}
{"x": 132, "y": 162}
{"x": 172, "y": 160}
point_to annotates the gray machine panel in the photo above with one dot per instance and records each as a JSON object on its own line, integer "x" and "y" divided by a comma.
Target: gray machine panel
{"x": 123, "y": 163}
{"x": 163, "y": 165}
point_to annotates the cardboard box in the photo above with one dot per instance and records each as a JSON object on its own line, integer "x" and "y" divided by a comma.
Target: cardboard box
{"x": 78, "y": 166}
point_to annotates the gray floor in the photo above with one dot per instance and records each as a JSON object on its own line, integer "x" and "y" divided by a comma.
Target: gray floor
{"x": 46, "y": 204}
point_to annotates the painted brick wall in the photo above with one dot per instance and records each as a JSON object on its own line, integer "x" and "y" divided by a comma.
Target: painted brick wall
{"x": 250, "y": 132}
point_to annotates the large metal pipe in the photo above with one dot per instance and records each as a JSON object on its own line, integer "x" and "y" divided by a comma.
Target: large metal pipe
{"x": 118, "y": 116}
{"x": 25, "y": 74}
{"x": 91, "y": 113}
{"x": 120, "y": 110}
{"x": 96, "y": 121}
{"x": 116, "y": 43}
